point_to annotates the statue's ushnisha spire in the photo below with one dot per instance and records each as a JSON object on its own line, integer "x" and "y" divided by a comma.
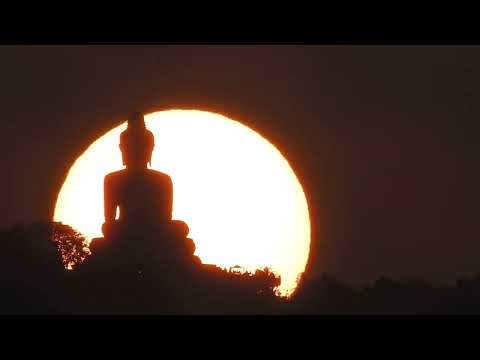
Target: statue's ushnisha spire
{"x": 136, "y": 142}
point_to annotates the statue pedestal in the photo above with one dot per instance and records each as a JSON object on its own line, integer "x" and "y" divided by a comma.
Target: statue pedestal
{"x": 142, "y": 248}
{"x": 137, "y": 269}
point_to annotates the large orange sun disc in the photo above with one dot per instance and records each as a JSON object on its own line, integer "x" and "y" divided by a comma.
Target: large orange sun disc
{"x": 238, "y": 194}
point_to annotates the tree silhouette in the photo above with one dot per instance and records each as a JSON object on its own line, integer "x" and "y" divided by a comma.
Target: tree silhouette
{"x": 71, "y": 245}
{"x": 34, "y": 280}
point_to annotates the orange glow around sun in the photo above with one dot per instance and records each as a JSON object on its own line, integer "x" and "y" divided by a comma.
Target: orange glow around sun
{"x": 238, "y": 194}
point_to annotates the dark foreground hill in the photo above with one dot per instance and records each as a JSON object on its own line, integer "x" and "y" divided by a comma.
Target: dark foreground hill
{"x": 33, "y": 280}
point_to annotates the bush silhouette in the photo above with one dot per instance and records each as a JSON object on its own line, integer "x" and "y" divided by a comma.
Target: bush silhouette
{"x": 34, "y": 280}
{"x": 71, "y": 245}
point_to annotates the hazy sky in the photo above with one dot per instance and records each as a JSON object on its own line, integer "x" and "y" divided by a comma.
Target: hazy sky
{"x": 382, "y": 138}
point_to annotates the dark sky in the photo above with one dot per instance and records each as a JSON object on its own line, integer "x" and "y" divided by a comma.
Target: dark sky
{"x": 384, "y": 139}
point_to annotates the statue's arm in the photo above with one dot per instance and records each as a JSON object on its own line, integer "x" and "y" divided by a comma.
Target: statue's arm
{"x": 109, "y": 204}
{"x": 169, "y": 198}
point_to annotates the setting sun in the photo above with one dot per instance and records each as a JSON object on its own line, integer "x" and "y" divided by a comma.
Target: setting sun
{"x": 237, "y": 193}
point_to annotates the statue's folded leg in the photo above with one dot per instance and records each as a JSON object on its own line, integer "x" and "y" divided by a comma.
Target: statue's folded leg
{"x": 110, "y": 229}
{"x": 180, "y": 228}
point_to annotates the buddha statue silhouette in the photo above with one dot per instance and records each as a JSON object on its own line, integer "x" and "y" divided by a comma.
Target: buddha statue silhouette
{"x": 144, "y": 231}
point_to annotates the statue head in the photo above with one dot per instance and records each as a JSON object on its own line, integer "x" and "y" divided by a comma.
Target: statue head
{"x": 136, "y": 120}
{"x": 136, "y": 142}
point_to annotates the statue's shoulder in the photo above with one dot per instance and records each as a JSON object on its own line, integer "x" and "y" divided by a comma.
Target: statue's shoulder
{"x": 114, "y": 175}
{"x": 159, "y": 175}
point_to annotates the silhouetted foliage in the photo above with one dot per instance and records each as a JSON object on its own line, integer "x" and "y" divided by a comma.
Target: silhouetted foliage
{"x": 71, "y": 244}
{"x": 31, "y": 270}
{"x": 33, "y": 280}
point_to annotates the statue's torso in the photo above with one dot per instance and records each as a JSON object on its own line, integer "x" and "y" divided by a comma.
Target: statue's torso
{"x": 142, "y": 197}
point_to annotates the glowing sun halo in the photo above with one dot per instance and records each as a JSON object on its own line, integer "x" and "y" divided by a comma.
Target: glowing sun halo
{"x": 238, "y": 194}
